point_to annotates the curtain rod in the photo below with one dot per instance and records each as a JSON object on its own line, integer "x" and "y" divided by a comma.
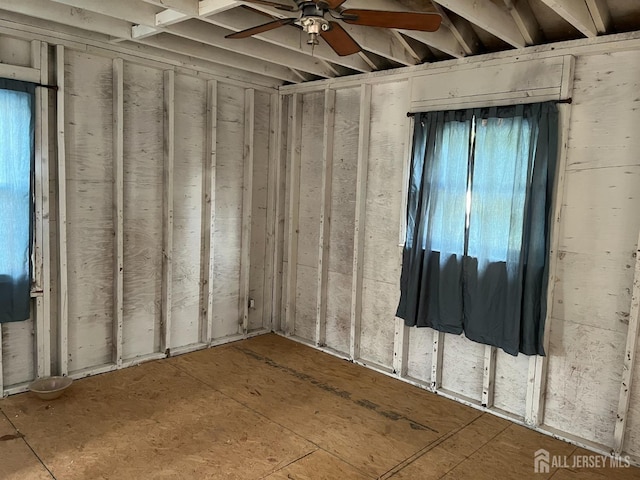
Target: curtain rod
{"x": 50, "y": 87}
{"x": 567, "y": 100}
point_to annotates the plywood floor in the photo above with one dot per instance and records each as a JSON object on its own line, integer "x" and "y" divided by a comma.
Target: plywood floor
{"x": 265, "y": 408}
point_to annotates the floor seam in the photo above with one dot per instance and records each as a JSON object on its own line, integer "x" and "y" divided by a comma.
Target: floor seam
{"x": 411, "y": 459}
{"x": 467, "y": 457}
{"x": 288, "y": 464}
{"x": 558, "y": 469}
{"x": 262, "y": 415}
{"x": 24, "y": 439}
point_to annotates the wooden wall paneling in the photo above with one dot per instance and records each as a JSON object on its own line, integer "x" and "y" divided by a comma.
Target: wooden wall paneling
{"x": 63, "y": 284}
{"x": 259, "y": 258}
{"x": 419, "y": 354}
{"x": 42, "y": 268}
{"x": 271, "y": 260}
{"x": 463, "y": 367}
{"x": 89, "y": 177}
{"x": 510, "y": 385}
{"x": 629, "y": 362}
{"x": 295, "y": 152}
{"x": 437, "y": 360}
{"x": 168, "y": 212}
{"x": 359, "y": 224}
{"x": 280, "y": 190}
{"x": 247, "y": 199}
{"x": 489, "y": 376}
{"x": 382, "y": 260}
{"x": 343, "y": 207}
{"x": 143, "y": 150}
{"x": 209, "y": 214}
{"x": 309, "y": 215}
{"x": 228, "y": 210}
{"x": 188, "y": 182}
{"x": 118, "y": 208}
{"x": 325, "y": 216}
{"x": 538, "y": 365}
{"x": 401, "y": 336}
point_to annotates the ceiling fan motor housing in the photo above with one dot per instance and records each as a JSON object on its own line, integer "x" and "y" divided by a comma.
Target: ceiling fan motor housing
{"x": 312, "y": 20}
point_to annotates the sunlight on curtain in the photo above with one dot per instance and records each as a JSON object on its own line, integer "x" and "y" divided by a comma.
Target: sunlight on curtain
{"x": 15, "y": 204}
{"x": 501, "y": 173}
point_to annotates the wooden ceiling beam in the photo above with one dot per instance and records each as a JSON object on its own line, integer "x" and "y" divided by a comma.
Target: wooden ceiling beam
{"x": 488, "y": 16}
{"x": 206, "y": 52}
{"x": 601, "y": 15}
{"x": 187, "y": 7}
{"x": 70, "y": 16}
{"x": 215, "y": 36}
{"x": 525, "y": 20}
{"x": 443, "y": 39}
{"x": 577, "y": 13}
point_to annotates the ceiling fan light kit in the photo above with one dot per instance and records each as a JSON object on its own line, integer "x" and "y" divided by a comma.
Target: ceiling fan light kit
{"x": 312, "y": 20}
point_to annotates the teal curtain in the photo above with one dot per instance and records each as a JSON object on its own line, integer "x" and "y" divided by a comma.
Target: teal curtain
{"x": 488, "y": 279}
{"x": 16, "y": 160}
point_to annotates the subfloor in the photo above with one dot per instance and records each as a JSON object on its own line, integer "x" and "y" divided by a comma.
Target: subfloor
{"x": 266, "y": 408}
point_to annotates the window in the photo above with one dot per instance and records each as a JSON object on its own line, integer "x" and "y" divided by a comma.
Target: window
{"x": 475, "y": 259}
{"x": 16, "y": 159}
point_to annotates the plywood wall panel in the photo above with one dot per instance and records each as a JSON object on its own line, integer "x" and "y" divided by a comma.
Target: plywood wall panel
{"x": 191, "y": 108}
{"x": 420, "y": 355}
{"x": 143, "y": 187}
{"x": 18, "y": 352}
{"x": 343, "y": 204}
{"x": 382, "y": 260}
{"x": 462, "y": 366}
{"x": 585, "y": 369}
{"x": 605, "y": 112}
{"x": 228, "y": 210}
{"x": 309, "y": 217}
{"x": 89, "y": 116}
{"x": 261, "y": 155}
{"x": 510, "y": 385}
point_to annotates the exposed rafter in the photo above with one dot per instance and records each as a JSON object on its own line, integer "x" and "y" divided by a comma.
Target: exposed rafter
{"x": 577, "y": 13}
{"x": 488, "y": 16}
{"x": 527, "y": 23}
{"x": 600, "y": 14}
{"x": 66, "y": 15}
{"x": 188, "y": 7}
{"x": 215, "y": 36}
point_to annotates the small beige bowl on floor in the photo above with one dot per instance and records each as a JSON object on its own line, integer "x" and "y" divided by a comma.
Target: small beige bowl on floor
{"x": 50, "y": 387}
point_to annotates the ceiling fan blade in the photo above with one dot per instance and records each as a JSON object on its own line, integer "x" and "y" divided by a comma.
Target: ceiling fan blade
{"x": 262, "y": 28}
{"x": 340, "y": 40}
{"x": 279, "y": 6}
{"x": 331, "y": 4}
{"x": 425, "y": 22}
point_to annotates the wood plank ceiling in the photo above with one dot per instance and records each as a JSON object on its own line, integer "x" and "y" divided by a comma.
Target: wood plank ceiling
{"x": 197, "y": 29}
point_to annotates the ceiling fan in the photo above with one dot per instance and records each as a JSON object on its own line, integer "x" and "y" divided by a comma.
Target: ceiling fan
{"x": 312, "y": 21}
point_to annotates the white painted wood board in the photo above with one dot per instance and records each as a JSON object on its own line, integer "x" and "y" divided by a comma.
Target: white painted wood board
{"x": 584, "y": 380}
{"x": 89, "y": 111}
{"x": 143, "y": 196}
{"x": 343, "y": 203}
{"x": 228, "y": 210}
{"x": 420, "y": 354}
{"x": 493, "y": 83}
{"x": 309, "y": 214}
{"x": 462, "y": 366}
{"x": 258, "y": 250}
{"x": 191, "y": 108}
{"x": 382, "y": 257}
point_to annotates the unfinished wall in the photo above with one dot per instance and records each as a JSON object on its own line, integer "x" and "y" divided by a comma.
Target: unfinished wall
{"x": 596, "y": 241}
{"x": 164, "y": 189}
